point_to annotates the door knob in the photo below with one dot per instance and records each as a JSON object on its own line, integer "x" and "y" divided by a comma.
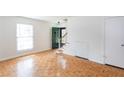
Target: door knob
{"x": 122, "y": 45}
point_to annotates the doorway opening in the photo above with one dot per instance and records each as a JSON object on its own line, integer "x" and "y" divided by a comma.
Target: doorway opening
{"x": 59, "y": 37}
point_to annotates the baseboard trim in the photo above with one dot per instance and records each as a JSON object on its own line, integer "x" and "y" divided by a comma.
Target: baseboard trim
{"x": 82, "y": 58}
{"x": 97, "y": 61}
{"x": 25, "y": 54}
{"x": 115, "y": 66}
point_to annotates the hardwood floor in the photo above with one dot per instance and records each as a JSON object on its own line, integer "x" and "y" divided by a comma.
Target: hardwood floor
{"x": 50, "y": 64}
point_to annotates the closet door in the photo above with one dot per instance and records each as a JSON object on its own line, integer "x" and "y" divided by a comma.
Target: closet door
{"x": 114, "y": 41}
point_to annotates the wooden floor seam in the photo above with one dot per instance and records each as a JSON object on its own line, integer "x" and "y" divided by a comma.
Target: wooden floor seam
{"x": 50, "y": 64}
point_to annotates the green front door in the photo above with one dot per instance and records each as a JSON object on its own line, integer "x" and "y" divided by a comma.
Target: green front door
{"x": 55, "y": 37}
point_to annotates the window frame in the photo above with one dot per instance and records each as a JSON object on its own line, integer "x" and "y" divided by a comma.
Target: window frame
{"x": 24, "y": 50}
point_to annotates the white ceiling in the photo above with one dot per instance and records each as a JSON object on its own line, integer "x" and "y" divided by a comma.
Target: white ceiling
{"x": 48, "y": 18}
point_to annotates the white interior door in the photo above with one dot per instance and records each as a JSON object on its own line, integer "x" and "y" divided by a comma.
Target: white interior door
{"x": 114, "y": 41}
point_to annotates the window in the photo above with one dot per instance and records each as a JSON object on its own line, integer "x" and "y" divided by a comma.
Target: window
{"x": 24, "y": 37}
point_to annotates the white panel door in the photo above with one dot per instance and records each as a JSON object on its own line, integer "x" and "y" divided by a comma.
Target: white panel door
{"x": 114, "y": 41}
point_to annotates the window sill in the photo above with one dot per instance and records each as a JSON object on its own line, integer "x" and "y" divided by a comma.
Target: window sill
{"x": 26, "y": 50}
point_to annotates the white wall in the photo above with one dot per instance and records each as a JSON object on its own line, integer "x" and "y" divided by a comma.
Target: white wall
{"x": 86, "y": 33}
{"x": 42, "y": 36}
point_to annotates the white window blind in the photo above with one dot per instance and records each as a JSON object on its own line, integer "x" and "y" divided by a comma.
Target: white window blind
{"x": 24, "y": 37}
